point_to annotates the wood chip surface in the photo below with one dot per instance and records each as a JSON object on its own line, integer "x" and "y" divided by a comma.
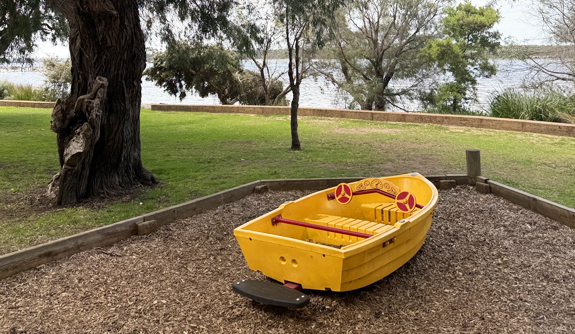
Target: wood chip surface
{"x": 488, "y": 266}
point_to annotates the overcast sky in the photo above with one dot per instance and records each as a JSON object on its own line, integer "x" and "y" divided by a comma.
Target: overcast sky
{"x": 517, "y": 23}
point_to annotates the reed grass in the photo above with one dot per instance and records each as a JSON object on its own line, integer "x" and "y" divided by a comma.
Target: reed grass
{"x": 542, "y": 105}
{"x": 10, "y": 91}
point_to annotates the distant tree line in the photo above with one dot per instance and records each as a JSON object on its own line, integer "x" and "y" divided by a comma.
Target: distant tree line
{"x": 362, "y": 48}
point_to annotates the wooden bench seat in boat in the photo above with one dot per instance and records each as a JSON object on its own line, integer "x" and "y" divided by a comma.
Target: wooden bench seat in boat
{"x": 384, "y": 213}
{"x": 378, "y": 218}
{"x": 350, "y": 224}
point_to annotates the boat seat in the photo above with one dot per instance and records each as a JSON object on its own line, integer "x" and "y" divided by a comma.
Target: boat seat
{"x": 384, "y": 213}
{"x": 350, "y": 224}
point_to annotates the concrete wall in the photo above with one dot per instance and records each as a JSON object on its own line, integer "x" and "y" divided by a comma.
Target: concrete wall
{"x": 549, "y": 128}
{"x": 27, "y": 104}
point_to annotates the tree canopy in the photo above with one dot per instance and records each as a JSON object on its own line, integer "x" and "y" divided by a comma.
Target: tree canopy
{"x": 209, "y": 69}
{"x": 376, "y": 41}
{"x": 22, "y": 22}
{"x": 463, "y": 52}
{"x": 98, "y": 125}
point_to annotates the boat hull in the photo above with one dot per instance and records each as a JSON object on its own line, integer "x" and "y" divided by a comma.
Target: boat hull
{"x": 304, "y": 255}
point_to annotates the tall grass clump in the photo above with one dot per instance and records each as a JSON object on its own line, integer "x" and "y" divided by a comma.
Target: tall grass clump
{"x": 10, "y": 91}
{"x": 542, "y": 105}
{"x": 56, "y": 85}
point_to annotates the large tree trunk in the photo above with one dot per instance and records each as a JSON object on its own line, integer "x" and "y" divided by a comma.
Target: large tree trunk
{"x": 98, "y": 126}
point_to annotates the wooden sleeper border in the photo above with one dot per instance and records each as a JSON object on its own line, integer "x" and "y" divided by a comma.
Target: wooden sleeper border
{"x": 32, "y": 257}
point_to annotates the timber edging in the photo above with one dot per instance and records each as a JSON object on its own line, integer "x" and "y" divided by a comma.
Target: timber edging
{"x": 32, "y": 257}
{"x": 484, "y": 122}
{"x": 561, "y": 213}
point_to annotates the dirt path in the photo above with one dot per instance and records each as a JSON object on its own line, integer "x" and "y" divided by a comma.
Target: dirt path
{"x": 487, "y": 266}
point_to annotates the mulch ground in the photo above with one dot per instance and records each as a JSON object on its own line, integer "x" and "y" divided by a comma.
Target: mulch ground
{"x": 487, "y": 266}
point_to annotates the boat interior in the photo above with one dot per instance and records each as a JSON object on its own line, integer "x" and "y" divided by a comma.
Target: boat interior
{"x": 322, "y": 219}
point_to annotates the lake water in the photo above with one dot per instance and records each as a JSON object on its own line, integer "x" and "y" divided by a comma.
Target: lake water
{"x": 317, "y": 93}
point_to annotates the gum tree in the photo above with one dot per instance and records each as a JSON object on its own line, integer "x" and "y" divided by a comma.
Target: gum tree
{"x": 555, "y": 63}
{"x": 463, "y": 52}
{"x": 263, "y": 33}
{"x": 98, "y": 125}
{"x": 304, "y": 23}
{"x": 376, "y": 42}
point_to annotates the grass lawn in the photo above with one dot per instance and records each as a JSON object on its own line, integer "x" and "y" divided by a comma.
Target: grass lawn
{"x": 196, "y": 154}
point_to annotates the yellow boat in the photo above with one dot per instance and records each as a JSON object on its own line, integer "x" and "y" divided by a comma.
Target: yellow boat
{"x": 342, "y": 238}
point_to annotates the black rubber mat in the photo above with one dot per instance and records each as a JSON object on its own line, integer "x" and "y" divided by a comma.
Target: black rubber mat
{"x": 271, "y": 293}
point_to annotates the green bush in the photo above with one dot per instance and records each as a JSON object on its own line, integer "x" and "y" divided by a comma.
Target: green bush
{"x": 56, "y": 86}
{"x": 58, "y": 78}
{"x": 252, "y": 92}
{"x": 548, "y": 105}
{"x": 28, "y": 93}
{"x": 4, "y": 90}
{"x": 10, "y": 91}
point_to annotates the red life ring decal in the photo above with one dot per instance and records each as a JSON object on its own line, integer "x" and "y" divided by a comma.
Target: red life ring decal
{"x": 343, "y": 193}
{"x": 405, "y": 201}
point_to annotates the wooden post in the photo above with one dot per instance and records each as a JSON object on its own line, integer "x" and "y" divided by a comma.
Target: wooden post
{"x": 473, "y": 165}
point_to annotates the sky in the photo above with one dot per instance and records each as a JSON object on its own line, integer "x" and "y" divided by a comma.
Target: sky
{"x": 517, "y": 24}
{"x": 517, "y": 21}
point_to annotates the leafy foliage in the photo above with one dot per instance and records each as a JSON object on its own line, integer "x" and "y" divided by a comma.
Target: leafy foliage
{"x": 253, "y": 92}
{"x": 206, "y": 70}
{"x": 173, "y": 20}
{"x": 4, "y": 92}
{"x": 58, "y": 78}
{"x": 550, "y": 105}
{"x": 22, "y": 22}
{"x": 376, "y": 41}
{"x": 463, "y": 53}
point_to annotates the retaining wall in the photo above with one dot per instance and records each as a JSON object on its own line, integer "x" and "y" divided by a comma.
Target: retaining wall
{"x": 548, "y": 128}
{"x": 27, "y": 104}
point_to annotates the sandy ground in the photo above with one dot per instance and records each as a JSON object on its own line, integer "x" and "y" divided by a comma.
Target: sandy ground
{"x": 487, "y": 266}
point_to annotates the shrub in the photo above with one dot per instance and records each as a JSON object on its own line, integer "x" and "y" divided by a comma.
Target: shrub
{"x": 549, "y": 105}
{"x": 4, "y": 90}
{"x": 58, "y": 78}
{"x": 12, "y": 91}
{"x": 252, "y": 92}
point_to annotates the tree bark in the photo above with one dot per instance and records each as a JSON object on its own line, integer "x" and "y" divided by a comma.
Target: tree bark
{"x": 295, "y": 143}
{"x": 98, "y": 126}
{"x": 294, "y": 80}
